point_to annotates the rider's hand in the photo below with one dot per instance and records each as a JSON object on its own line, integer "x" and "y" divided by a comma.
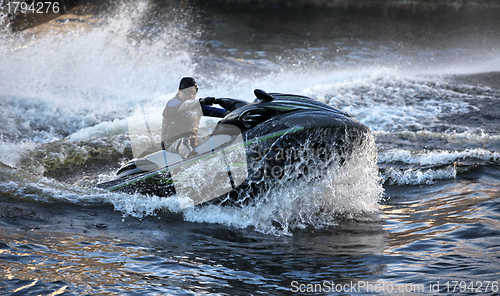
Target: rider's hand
{"x": 208, "y": 101}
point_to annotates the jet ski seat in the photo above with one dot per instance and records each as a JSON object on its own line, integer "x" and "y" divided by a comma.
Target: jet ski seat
{"x": 163, "y": 158}
{"x": 212, "y": 143}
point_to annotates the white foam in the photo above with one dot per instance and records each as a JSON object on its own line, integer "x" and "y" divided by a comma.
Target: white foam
{"x": 345, "y": 191}
{"x": 10, "y": 152}
{"x": 419, "y": 176}
{"x": 436, "y": 157}
{"x": 103, "y": 129}
{"x": 444, "y": 162}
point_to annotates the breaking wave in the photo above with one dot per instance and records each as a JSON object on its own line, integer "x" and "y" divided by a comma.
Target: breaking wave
{"x": 317, "y": 200}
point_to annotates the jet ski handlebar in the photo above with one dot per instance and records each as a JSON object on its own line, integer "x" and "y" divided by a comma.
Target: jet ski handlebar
{"x": 226, "y": 103}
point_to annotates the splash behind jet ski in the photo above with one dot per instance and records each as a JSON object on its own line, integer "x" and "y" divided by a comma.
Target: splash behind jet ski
{"x": 255, "y": 144}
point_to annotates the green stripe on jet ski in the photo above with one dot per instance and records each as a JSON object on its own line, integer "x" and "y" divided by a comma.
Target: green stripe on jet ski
{"x": 292, "y": 108}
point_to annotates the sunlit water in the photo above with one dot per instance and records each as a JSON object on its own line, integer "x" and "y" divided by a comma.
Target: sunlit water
{"x": 423, "y": 217}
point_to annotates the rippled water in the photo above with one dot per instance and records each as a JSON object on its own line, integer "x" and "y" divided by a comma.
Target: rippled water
{"x": 423, "y": 219}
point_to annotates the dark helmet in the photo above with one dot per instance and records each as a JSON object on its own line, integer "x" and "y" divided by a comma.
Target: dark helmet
{"x": 187, "y": 82}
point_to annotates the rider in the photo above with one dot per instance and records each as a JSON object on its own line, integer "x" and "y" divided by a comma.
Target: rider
{"x": 181, "y": 118}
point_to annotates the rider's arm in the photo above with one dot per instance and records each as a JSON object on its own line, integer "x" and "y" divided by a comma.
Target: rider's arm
{"x": 189, "y": 105}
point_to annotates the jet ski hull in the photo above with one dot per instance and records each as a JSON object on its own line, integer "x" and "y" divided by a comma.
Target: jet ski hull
{"x": 273, "y": 141}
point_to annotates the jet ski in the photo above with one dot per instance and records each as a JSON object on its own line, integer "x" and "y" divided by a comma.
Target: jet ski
{"x": 254, "y": 145}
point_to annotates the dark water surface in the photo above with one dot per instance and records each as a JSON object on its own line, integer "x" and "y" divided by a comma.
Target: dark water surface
{"x": 424, "y": 220}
